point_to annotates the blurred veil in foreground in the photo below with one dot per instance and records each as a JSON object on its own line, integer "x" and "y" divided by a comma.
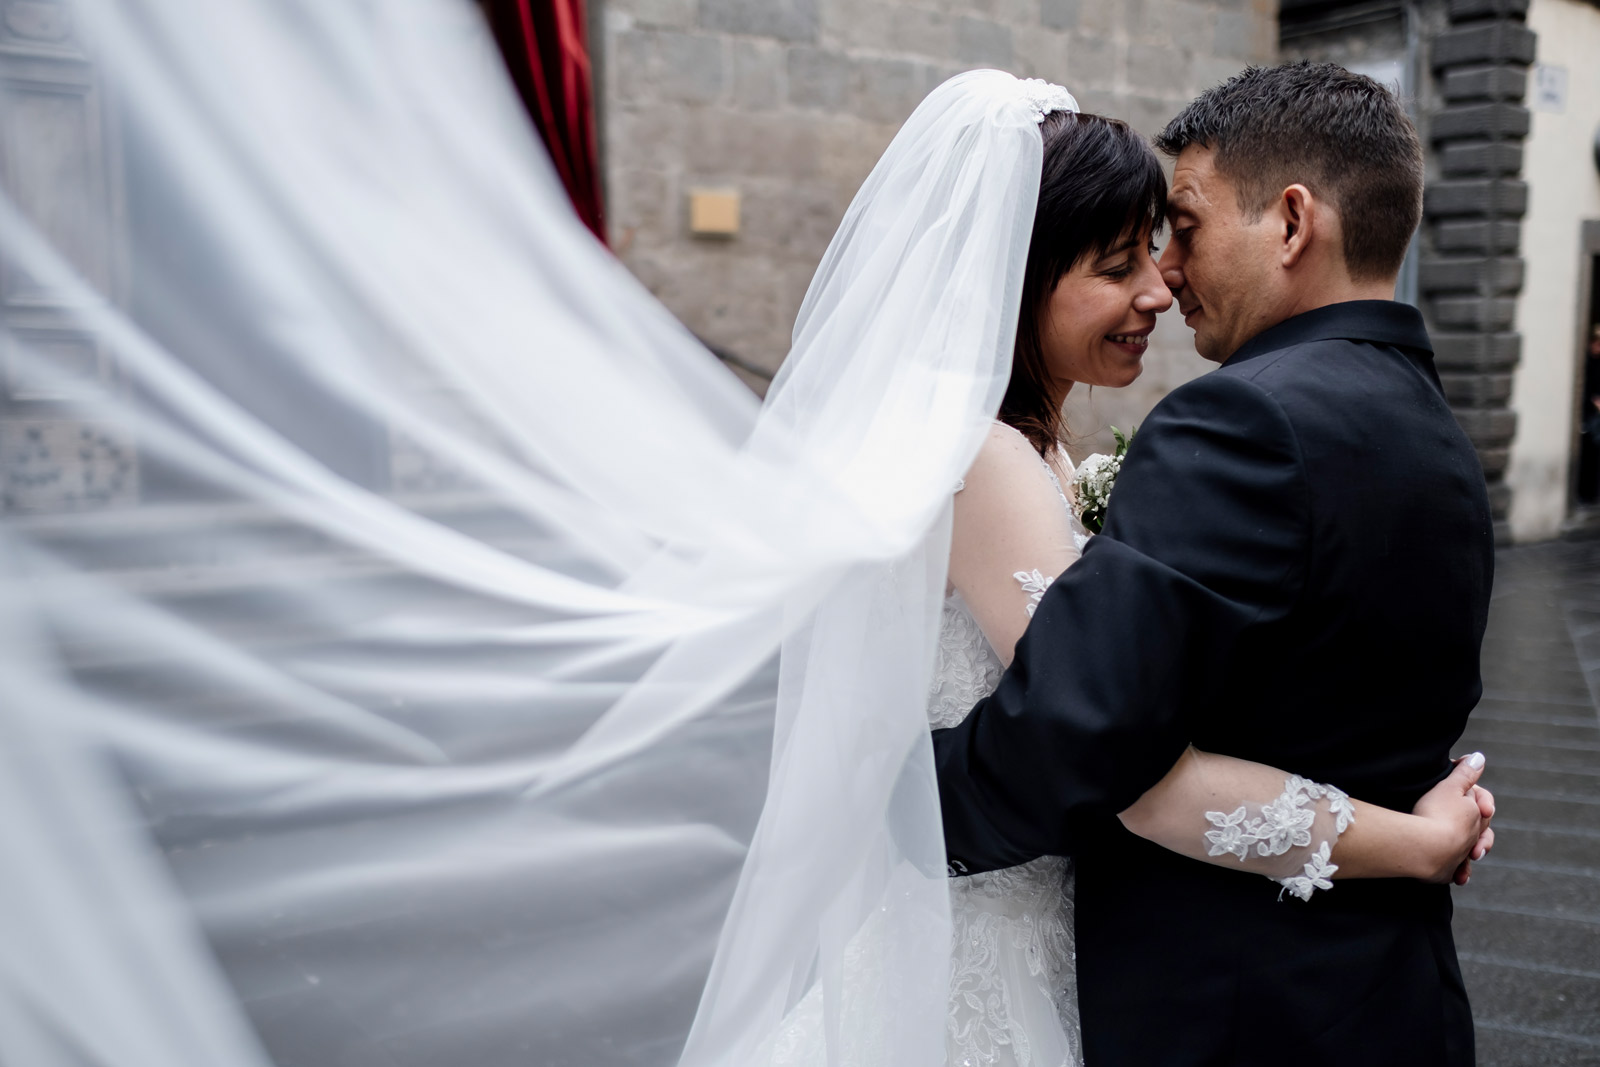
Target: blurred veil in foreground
{"x": 414, "y": 647}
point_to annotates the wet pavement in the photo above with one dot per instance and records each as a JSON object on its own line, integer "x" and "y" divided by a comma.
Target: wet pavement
{"x": 1528, "y": 927}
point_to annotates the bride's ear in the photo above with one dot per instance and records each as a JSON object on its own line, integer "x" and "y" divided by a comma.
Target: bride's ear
{"x": 1297, "y": 210}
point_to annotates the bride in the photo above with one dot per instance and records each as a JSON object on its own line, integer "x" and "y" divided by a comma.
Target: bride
{"x": 477, "y": 672}
{"x": 1090, "y": 295}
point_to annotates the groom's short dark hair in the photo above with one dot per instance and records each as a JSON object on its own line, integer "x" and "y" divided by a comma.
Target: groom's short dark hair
{"x": 1341, "y": 135}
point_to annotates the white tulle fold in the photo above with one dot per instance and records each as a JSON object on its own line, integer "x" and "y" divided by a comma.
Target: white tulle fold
{"x": 476, "y": 672}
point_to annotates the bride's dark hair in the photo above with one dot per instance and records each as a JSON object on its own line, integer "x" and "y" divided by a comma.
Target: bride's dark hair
{"x": 1100, "y": 182}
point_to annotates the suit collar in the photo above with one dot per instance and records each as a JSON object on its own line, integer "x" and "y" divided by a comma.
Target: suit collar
{"x": 1384, "y": 322}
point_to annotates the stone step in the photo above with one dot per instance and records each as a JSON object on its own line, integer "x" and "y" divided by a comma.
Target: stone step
{"x": 1482, "y": 731}
{"x": 1533, "y": 808}
{"x": 1529, "y": 939}
{"x": 1510, "y": 1044}
{"x": 1515, "y": 755}
{"x": 1517, "y": 843}
{"x": 1532, "y": 887}
{"x": 1563, "y": 1003}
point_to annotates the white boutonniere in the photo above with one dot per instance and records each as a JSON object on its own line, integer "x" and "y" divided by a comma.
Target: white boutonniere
{"x": 1093, "y": 481}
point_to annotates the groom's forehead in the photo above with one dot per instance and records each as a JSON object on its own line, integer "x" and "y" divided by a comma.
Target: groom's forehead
{"x": 1196, "y": 181}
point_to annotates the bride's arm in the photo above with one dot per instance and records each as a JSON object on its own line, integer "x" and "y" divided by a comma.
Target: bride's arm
{"x": 1303, "y": 834}
{"x": 1011, "y": 538}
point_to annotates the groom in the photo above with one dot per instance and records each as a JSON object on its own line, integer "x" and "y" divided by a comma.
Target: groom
{"x": 1295, "y": 570}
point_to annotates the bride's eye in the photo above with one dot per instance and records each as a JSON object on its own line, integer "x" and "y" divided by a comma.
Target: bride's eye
{"x": 1119, "y": 272}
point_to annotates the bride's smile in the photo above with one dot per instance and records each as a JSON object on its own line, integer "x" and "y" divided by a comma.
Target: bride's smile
{"x": 1098, "y": 319}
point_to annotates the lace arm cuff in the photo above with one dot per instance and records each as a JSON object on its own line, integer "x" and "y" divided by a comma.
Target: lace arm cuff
{"x": 1278, "y": 840}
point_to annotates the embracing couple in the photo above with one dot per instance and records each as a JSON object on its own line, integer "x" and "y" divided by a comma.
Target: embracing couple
{"x": 1195, "y": 772}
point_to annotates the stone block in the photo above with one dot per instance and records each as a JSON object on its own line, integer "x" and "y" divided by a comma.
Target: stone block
{"x": 721, "y": 146}
{"x": 1045, "y": 54}
{"x": 1489, "y": 42}
{"x": 1472, "y": 274}
{"x": 1463, "y": 10}
{"x": 1093, "y": 63}
{"x": 1494, "y": 461}
{"x": 662, "y": 14}
{"x": 1488, "y": 237}
{"x": 1149, "y": 115}
{"x": 1477, "y": 196}
{"x": 1184, "y": 23}
{"x": 1101, "y": 17}
{"x": 1483, "y": 313}
{"x": 664, "y": 65}
{"x": 1476, "y": 351}
{"x": 1481, "y": 157}
{"x": 921, "y": 32}
{"x": 1100, "y": 101}
{"x": 983, "y": 41}
{"x": 1477, "y": 390}
{"x": 1501, "y": 82}
{"x": 759, "y": 69}
{"x": 888, "y": 90}
{"x": 819, "y": 78}
{"x": 787, "y": 20}
{"x": 1487, "y": 427}
{"x": 1156, "y": 70}
{"x": 1479, "y": 120}
{"x": 1207, "y": 70}
{"x": 1060, "y": 14}
{"x": 1239, "y": 35}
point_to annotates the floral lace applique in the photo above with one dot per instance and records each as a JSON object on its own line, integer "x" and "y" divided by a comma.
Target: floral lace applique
{"x": 1319, "y": 875}
{"x": 1034, "y": 584}
{"x": 1285, "y": 823}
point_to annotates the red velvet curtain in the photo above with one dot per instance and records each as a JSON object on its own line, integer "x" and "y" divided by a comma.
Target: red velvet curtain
{"x": 545, "y": 45}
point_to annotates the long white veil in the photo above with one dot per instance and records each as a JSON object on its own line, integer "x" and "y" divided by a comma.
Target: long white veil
{"x": 415, "y": 647}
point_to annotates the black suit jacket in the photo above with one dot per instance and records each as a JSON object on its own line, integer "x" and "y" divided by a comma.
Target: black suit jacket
{"x": 1295, "y": 569}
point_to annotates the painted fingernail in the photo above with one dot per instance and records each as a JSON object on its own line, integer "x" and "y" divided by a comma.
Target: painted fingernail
{"x": 1475, "y": 760}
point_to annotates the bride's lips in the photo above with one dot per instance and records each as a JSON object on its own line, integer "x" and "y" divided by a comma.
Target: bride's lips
{"x": 1133, "y": 342}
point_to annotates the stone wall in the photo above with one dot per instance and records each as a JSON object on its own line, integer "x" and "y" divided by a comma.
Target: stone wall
{"x": 1462, "y": 65}
{"x": 790, "y": 102}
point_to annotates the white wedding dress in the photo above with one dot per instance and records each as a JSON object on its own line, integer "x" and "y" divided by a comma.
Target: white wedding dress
{"x": 1013, "y": 994}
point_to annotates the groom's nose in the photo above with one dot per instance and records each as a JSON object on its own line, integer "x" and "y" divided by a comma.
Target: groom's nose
{"x": 1171, "y": 265}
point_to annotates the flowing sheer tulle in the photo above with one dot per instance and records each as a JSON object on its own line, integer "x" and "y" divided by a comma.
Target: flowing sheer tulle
{"x": 474, "y": 673}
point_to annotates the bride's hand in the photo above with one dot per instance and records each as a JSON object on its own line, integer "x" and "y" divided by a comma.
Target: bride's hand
{"x": 1459, "y": 810}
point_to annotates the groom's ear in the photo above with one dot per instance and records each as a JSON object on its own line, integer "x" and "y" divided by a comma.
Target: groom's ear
{"x": 1297, "y": 210}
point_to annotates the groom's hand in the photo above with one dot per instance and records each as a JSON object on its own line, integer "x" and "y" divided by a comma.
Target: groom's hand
{"x": 1460, "y": 809}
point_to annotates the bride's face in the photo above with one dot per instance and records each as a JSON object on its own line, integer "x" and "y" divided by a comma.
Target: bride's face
{"x": 1096, "y": 324}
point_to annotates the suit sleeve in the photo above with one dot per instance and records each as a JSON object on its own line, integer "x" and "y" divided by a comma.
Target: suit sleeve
{"x": 1207, "y": 537}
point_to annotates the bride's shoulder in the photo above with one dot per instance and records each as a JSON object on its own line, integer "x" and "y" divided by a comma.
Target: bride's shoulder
{"x": 1007, "y": 464}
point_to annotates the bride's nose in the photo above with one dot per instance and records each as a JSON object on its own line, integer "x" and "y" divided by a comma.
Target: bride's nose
{"x": 1153, "y": 293}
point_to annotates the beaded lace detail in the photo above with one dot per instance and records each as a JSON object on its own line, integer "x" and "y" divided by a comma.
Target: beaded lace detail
{"x": 1012, "y": 955}
{"x": 1285, "y": 822}
{"x": 1043, "y": 97}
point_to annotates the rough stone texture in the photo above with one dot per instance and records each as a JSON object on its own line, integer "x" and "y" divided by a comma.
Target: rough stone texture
{"x": 792, "y": 101}
{"x": 1472, "y": 227}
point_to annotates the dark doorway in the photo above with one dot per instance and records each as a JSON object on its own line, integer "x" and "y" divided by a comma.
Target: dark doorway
{"x": 1586, "y": 484}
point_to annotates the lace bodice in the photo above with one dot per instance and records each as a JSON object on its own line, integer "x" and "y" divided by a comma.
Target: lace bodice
{"x": 1013, "y": 996}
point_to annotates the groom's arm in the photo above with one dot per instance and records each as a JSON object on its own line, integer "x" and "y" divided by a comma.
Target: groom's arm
{"x": 1207, "y": 538}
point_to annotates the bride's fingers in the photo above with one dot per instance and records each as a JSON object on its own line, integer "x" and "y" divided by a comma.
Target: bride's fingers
{"x": 1467, "y": 771}
{"x": 1485, "y": 843}
{"x": 1485, "y": 801}
{"x": 1463, "y": 873}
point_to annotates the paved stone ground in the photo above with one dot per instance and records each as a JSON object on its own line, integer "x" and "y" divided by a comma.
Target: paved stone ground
{"x": 1528, "y": 927}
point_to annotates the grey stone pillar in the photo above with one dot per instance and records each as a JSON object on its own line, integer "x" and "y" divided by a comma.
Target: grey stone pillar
{"x": 1471, "y": 272}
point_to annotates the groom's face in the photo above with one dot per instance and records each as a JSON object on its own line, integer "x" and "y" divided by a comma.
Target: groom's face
{"x": 1218, "y": 263}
